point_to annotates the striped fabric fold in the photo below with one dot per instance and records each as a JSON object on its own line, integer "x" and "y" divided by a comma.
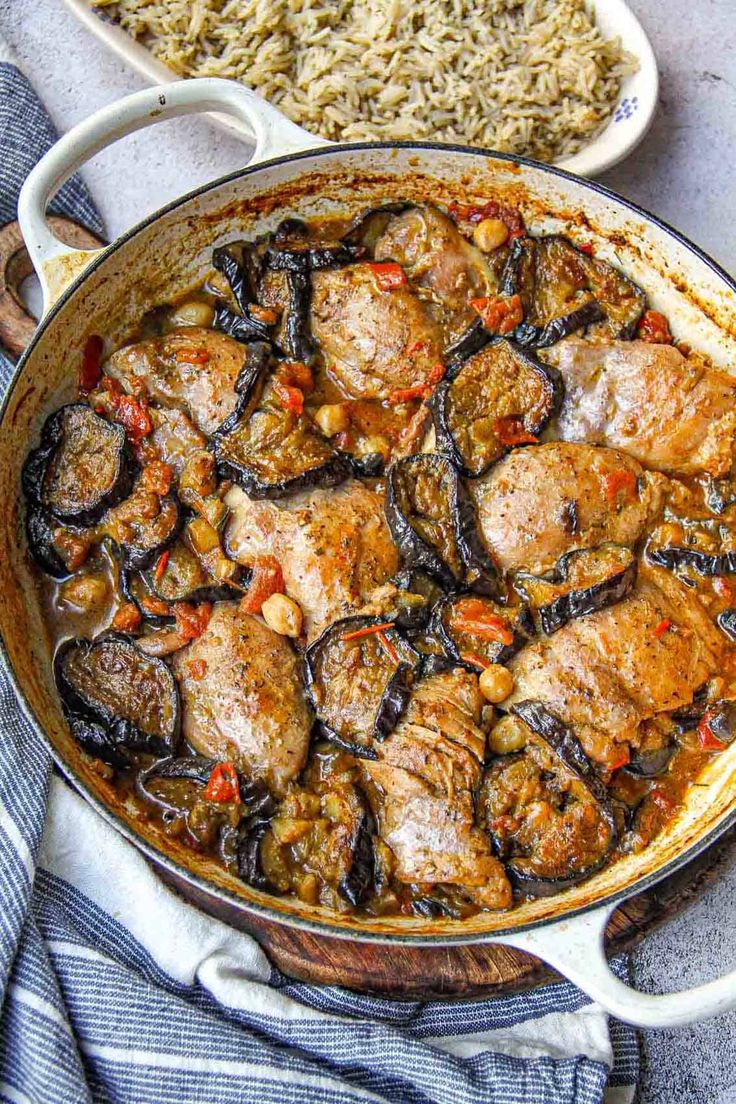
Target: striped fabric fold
{"x": 115, "y": 990}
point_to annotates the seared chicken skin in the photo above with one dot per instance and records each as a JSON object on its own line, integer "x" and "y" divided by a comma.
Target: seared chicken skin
{"x": 374, "y": 342}
{"x": 607, "y": 673}
{"x": 669, "y": 412}
{"x": 447, "y": 269}
{"x": 421, "y": 790}
{"x": 543, "y": 501}
{"x": 334, "y": 546}
{"x": 190, "y": 369}
{"x": 242, "y": 697}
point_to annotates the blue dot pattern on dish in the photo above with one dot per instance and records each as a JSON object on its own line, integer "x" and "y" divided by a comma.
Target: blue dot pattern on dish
{"x": 626, "y": 108}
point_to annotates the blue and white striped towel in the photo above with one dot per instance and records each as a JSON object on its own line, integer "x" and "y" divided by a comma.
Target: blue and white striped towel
{"x": 115, "y": 990}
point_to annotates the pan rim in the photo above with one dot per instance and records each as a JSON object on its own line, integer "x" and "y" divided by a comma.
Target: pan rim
{"x": 319, "y": 926}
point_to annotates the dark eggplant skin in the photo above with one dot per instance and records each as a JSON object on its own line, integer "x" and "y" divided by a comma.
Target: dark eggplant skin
{"x": 37, "y": 464}
{"x": 565, "y": 745}
{"x": 475, "y": 338}
{"x": 98, "y": 741}
{"x": 432, "y": 908}
{"x": 568, "y": 749}
{"x": 726, "y": 622}
{"x": 578, "y": 603}
{"x": 241, "y": 327}
{"x": 311, "y": 257}
{"x": 238, "y": 263}
{"x": 122, "y": 732}
{"x": 719, "y": 495}
{"x": 394, "y": 696}
{"x": 442, "y": 397}
{"x": 297, "y": 338}
{"x": 704, "y": 563}
{"x": 367, "y": 227}
{"x": 649, "y": 764}
{"x": 523, "y": 630}
{"x": 143, "y": 555}
{"x": 40, "y": 534}
{"x": 359, "y": 882}
{"x": 528, "y": 334}
{"x": 476, "y": 568}
{"x": 250, "y": 832}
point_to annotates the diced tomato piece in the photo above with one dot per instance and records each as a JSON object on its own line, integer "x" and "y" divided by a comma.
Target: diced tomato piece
{"x": 723, "y": 588}
{"x": 409, "y": 394}
{"x": 664, "y": 626}
{"x": 475, "y": 213}
{"x": 474, "y": 660}
{"x": 157, "y": 477}
{"x": 90, "y": 373}
{"x": 191, "y": 621}
{"x": 511, "y": 431}
{"x": 620, "y": 480}
{"x": 299, "y": 374}
{"x": 587, "y": 248}
{"x": 197, "y": 669}
{"x": 368, "y": 630}
{"x": 161, "y": 564}
{"x": 388, "y": 647}
{"x": 655, "y": 328}
{"x": 388, "y": 276}
{"x": 223, "y": 785}
{"x": 706, "y": 736}
{"x": 621, "y": 760}
{"x": 192, "y": 356}
{"x": 263, "y": 314}
{"x": 500, "y": 314}
{"x": 436, "y": 375}
{"x": 266, "y": 579}
{"x": 155, "y": 605}
{"x": 133, "y": 416}
{"x": 291, "y": 398}
{"x": 417, "y": 348}
{"x": 471, "y": 616}
{"x": 127, "y": 617}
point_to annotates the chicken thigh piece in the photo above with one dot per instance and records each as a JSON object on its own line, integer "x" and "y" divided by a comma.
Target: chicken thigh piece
{"x": 543, "y": 501}
{"x": 447, "y": 269}
{"x": 191, "y": 369}
{"x": 672, "y": 413}
{"x": 242, "y": 697}
{"x": 334, "y": 546}
{"x": 607, "y": 673}
{"x": 422, "y": 791}
{"x": 374, "y": 342}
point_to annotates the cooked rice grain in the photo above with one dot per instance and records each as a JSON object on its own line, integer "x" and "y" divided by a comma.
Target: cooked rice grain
{"x": 531, "y": 77}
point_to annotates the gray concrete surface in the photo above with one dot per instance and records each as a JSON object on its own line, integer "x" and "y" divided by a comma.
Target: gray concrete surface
{"x": 683, "y": 171}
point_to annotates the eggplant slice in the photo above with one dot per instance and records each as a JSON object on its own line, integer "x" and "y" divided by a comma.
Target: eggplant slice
{"x": 181, "y": 579}
{"x": 548, "y": 812}
{"x": 477, "y": 631}
{"x": 359, "y": 677}
{"x": 432, "y": 520}
{"x": 140, "y": 533}
{"x": 707, "y": 564}
{"x": 40, "y": 536}
{"x": 271, "y": 451}
{"x": 584, "y": 580}
{"x": 132, "y": 697}
{"x": 501, "y": 388}
{"x": 563, "y": 290}
{"x": 81, "y": 468}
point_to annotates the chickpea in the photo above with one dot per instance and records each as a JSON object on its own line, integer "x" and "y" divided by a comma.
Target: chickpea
{"x": 496, "y": 683}
{"x": 369, "y": 446}
{"x": 283, "y": 615}
{"x": 490, "y": 234}
{"x": 84, "y": 591}
{"x": 332, "y": 418}
{"x": 192, "y": 312}
{"x": 508, "y": 735}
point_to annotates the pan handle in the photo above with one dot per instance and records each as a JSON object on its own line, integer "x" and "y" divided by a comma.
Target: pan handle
{"x": 576, "y": 947}
{"x": 57, "y": 264}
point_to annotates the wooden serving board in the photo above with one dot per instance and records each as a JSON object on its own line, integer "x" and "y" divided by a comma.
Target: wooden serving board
{"x": 444, "y": 973}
